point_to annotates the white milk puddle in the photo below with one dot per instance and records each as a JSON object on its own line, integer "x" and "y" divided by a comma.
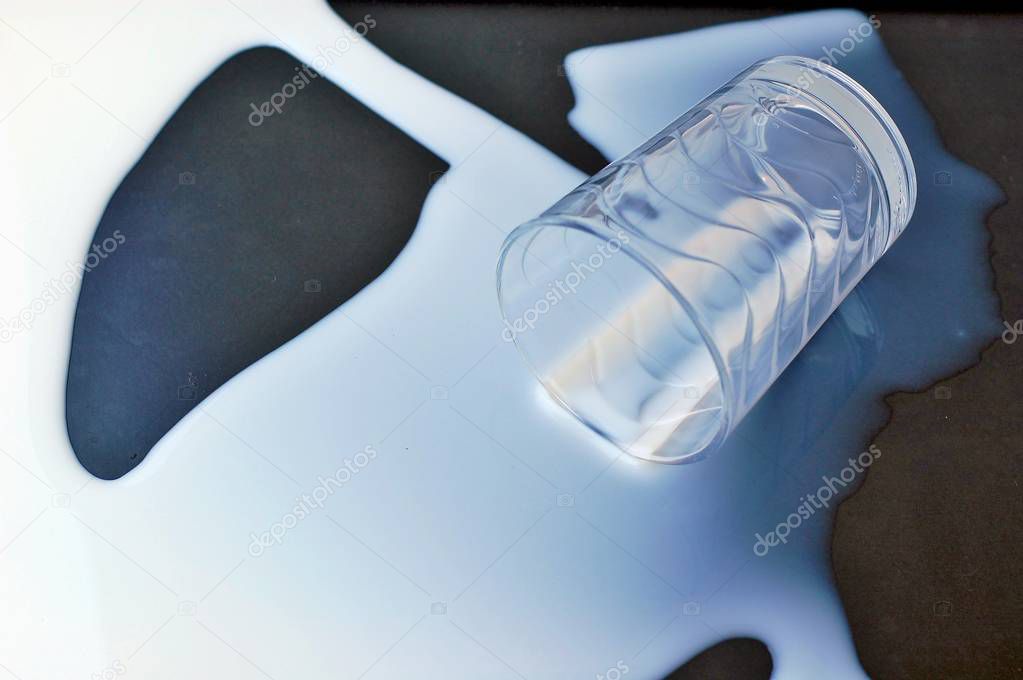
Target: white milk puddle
{"x": 488, "y": 535}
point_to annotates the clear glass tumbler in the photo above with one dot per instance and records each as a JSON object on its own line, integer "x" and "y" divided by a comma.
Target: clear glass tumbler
{"x": 661, "y": 298}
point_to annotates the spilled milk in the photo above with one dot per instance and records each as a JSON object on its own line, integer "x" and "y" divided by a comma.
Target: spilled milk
{"x": 489, "y": 534}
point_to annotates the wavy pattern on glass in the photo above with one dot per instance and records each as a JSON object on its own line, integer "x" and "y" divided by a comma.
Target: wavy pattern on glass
{"x": 659, "y": 300}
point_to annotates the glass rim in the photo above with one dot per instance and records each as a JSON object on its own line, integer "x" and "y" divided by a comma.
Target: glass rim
{"x": 903, "y": 168}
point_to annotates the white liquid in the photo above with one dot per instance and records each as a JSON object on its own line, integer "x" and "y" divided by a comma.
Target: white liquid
{"x": 461, "y": 504}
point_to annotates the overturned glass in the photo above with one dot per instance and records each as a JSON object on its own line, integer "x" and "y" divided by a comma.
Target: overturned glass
{"x": 660, "y": 299}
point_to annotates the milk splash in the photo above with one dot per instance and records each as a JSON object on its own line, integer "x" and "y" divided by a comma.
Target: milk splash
{"x": 493, "y": 536}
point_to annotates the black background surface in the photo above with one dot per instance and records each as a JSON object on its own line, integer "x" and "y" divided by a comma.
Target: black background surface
{"x": 238, "y": 241}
